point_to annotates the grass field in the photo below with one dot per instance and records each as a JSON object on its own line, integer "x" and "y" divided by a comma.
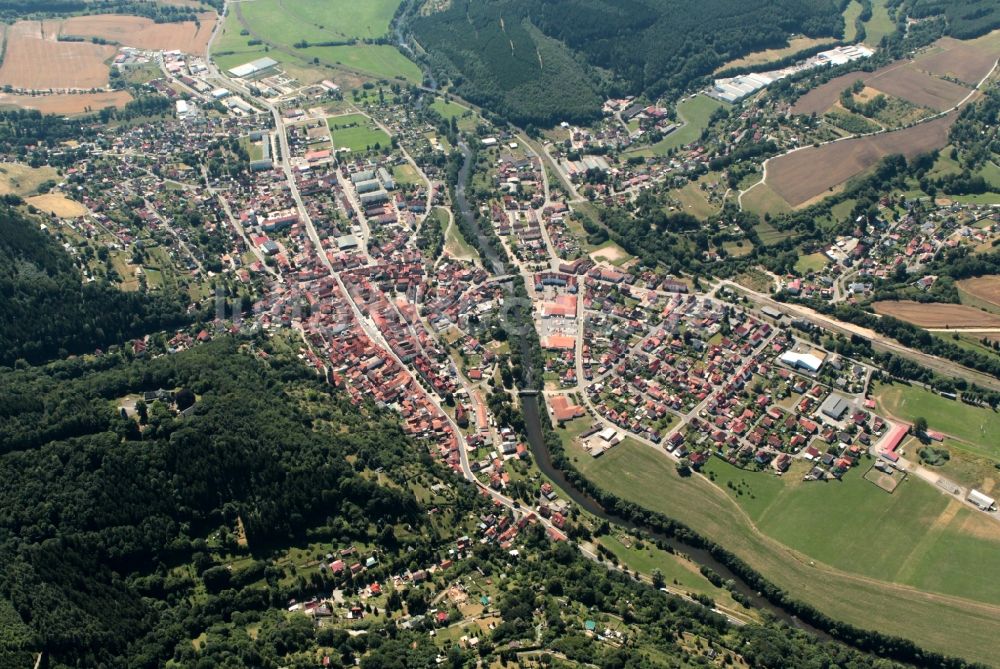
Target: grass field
{"x": 454, "y": 242}
{"x": 768, "y": 233}
{"x": 318, "y": 20}
{"x": 356, "y": 132}
{"x": 380, "y": 60}
{"x": 974, "y": 428}
{"x": 315, "y": 22}
{"x": 22, "y": 180}
{"x": 679, "y": 573}
{"x": 695, "y": 112}
{"x": 465, "y": 118}
{"x": 761, "y": 199}
{"x": 829, "y": 566}
{"x": 694, "y": 200}
{"x": 879, "y": 25}
{"x": 851, "y": 13}
{"x": 813, "y": 262}
{"x": 406, "y": 175}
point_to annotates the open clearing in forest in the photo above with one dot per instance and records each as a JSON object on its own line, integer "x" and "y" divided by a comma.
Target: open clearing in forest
{"x": 795, "y": 45}
{"x": 802, "y": 175}
{"x": 935, "y": 315}
{"x": 143, "y": 33}
{"x": 853, "y": 551}
{"x": 36, "y": 60}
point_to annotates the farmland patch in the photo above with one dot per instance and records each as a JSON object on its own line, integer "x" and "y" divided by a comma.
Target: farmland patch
{"x": 802, "y": 175}
{"x": 143, "y": 33}
{"x": 933, "y": 315}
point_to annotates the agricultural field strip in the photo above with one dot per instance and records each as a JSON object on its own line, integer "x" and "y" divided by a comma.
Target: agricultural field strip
{"x": 801, "y": 195}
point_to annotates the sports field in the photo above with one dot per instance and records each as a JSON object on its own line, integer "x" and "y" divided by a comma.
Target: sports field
{"x": 696, "y": 112}
{"x": 853, "y": 551}
{"x": 356, "y": 132}
{"x": 974, "y": 428}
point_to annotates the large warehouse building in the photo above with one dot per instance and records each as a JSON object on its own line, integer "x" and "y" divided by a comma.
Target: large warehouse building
{"x": 255, "y": 69}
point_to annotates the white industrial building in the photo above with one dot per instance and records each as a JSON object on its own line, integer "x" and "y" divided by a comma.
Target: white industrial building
{"x": 807, "y": 361}
{"x": 736, "y": 88}
{"x": 982, "y": 501}
{"x": 254, "y": 69}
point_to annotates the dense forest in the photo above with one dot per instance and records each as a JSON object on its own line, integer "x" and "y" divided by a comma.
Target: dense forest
{"x": 96, "y": 512}
{"x": 544, "y": 62}
{"x": 47, "y": 312}
{"x": 966, "y": 18}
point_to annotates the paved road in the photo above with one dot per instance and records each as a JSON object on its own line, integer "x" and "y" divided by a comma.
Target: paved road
{"x": 878, "y": 342}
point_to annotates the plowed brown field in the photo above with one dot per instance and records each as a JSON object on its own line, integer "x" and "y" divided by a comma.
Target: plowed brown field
{"x": 800, "y": 176}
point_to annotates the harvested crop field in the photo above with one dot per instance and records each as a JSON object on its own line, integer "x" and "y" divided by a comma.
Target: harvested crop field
{"x": 933, "y": 315}
{"x": 143, "y": 33}
{"x": 824, "y": 96}
{"x": 35, "y": 60}
{"x": 985, "y": 288}
{"x": 800, "y": 176}
{"x": 57, "y": 204}
{"x": 67, "y": 103}
{"x": 919, "y": 88}
{"x": 966, "y": 61}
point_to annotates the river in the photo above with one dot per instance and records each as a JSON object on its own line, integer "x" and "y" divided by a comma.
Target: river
{"x": 543, "y": 459}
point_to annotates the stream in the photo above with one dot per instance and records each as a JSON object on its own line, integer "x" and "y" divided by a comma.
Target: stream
{"x": 543, "y": 459}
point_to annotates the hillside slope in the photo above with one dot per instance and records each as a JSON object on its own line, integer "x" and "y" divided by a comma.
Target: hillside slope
{"x": 45, "y": 309}
{"x": 498, "y": 59}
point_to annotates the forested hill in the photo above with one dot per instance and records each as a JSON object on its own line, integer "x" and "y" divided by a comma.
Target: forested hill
{"x": 965, "y": 18}
{"x": 545, "y": 61}
{"x": 96, "y": 516}
{"x": 46, "y": 311}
